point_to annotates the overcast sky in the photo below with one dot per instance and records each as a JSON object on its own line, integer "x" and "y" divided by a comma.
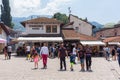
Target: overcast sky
{"x": 102, "y": 11}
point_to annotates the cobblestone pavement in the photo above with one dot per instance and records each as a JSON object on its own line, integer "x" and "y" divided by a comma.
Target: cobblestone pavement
{"x": 18, "y": 68}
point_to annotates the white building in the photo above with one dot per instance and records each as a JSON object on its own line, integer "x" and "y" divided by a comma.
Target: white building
{"x": 79, "y": 25}
{"x": 42, "y": 28}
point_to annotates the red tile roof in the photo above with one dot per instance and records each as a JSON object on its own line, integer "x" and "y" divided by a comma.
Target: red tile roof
{"x": 112, "y": 39}
{"x": 72, "y": 35}
{"x": 41, "y": 20}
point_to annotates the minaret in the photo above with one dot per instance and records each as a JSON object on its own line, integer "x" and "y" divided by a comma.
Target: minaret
{"x": 69, "y": 11}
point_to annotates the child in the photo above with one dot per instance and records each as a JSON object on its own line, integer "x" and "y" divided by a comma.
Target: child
{"x": 36, "y": 59}
{"x": 71, "y": 61}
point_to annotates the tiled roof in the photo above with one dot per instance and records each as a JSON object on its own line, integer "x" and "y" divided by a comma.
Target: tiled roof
{"x": 80, "y": 19}
{"x": 72, "y": 35}
{"x": 42, "y": 20}
{"x": 70, "y": 23}
{"x": 112, "y": 39}
{"x": 5, "y": 28}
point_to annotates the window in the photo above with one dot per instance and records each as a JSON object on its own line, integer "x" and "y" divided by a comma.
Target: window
{"x": 76, "y": 29}
{"x": 51, "y": 29}
{"x": 48, "y": 29}
{"x": 54, "y": 29}
{"x": 100, "y": 35}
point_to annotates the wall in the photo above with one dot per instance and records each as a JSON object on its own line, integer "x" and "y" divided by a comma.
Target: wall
{"x": 108, "y": 32}
{"x": 83, "y": 27}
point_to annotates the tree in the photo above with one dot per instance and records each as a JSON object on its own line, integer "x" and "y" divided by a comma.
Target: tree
{"x": 61, "y": 17}
{"x": 5, "y": 13}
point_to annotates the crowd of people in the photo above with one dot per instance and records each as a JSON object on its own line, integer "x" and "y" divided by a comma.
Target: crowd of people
{"x": 113, "y": 51}
{"x": 78, "y": 52}
{"x": 35, "y": 53}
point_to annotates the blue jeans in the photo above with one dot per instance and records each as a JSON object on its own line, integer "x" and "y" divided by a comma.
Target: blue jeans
{"x": 74, "y": 58}
{"x": 107, "y": 55}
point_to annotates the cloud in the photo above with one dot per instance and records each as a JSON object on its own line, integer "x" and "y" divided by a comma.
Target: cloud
{"x": 54, "y": 6}
{"x": 24, "y": 8}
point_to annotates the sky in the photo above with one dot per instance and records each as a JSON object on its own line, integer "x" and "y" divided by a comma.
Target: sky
{"x": 102, "y": 11}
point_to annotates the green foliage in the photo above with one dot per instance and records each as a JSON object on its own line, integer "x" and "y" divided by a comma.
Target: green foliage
{"x": 12, "y": 24}
{"x": 5, "y": 13}
{"x": 61, "y": 17}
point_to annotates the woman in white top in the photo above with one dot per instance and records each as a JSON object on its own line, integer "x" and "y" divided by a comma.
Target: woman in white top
{"x": 44, "y": 52}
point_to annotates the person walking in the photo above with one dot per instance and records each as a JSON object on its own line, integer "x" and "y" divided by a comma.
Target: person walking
{"x": 5, "y": 52}
{"x": 9, "y": 48}
{"x": 36, "y": 59}
{"x": 88, "y": 54}
{"x": 118, "y": 55}
{"x": 74, "y": 53}
{"x": 52, "y": 51}
{"x": 113, "y": 53}
{"x": 81, "y": 57}
{"x": 107, "y": 52}
{"x": 62, "y": 53}
{"x": 32, "y": 52}
{"x": 44, "y": 52}
{"x": 28, "y": 52}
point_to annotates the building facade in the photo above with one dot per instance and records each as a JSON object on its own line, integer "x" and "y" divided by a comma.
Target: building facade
{"x": 43, "y": 28}
{"x": 81, "y": 26}
{"x": 108, "y": 32}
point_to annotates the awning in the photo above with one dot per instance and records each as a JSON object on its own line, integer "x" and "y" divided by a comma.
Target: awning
{"x": 41, "y": 39}
{"x": 2, "y": 40}
{"x": 114, "y": 43}
{"x": 92, "y": 42}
